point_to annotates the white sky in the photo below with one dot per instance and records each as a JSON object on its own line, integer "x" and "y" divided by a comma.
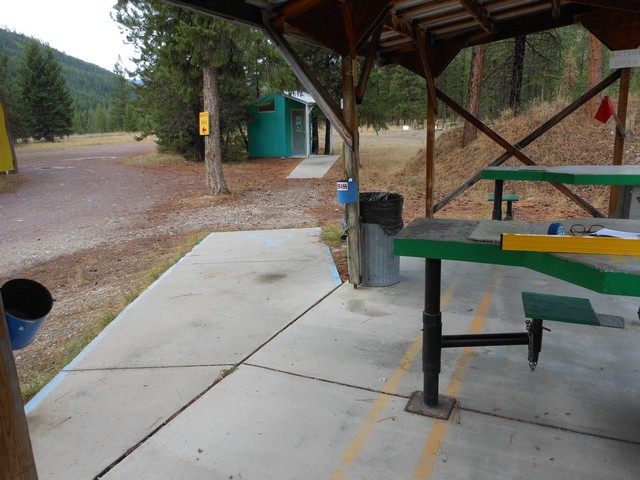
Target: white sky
{"x": 80, "y": 28}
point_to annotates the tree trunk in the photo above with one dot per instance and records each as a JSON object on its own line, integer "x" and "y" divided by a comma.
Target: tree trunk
{"x": 516, "y": 73}
{"x": 314, "y": 135}
{"x": 215, "y": 181}
{"x": 327, "y": 137}
{"x": 469, "y": 133}
{"x": 594, "y": 73}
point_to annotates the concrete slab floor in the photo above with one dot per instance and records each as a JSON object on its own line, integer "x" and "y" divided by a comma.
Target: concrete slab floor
{"x": 355, "y": 346}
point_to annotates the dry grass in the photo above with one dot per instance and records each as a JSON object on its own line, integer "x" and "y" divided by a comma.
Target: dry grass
{"x": 153, "y": 160}
{"x": 72, "y": 141}
{"x": 388, "y": 164}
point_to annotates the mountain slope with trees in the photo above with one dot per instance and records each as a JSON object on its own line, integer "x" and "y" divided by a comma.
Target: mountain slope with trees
{"x": 89, "y": 85}
{"x": 102, "y": 100}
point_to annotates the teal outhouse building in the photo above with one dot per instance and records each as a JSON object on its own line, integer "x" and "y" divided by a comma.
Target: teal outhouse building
{"x": 281, "y": 126}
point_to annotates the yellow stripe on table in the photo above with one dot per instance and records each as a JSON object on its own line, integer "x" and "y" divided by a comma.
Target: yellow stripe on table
{"x": 562, "y": 244}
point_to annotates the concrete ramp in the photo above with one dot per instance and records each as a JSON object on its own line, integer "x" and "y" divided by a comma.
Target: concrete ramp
{"x": 315, "y": 166}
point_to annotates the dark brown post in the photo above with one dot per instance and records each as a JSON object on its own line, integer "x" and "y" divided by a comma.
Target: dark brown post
{"x": 430, "y": 155}
{"x": 618, "y": 145}
{"x": 17, "y": 461}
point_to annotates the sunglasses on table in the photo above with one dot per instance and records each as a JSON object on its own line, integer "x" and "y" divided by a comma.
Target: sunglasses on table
{"x": 579, "y": 229}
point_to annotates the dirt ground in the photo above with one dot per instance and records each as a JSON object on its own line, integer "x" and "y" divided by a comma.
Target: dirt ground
{"x": 96, "y": 232}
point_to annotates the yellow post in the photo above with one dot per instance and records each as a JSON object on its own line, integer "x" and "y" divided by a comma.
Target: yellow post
{"x": 7, "y": 154}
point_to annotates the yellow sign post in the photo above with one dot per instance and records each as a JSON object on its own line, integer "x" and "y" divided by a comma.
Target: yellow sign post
{"x": 204, "y": 123}
{"x": 7, "y": 154}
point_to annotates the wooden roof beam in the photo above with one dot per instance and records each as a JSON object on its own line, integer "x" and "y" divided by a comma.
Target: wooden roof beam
{"x": 369, "y": 61}
{"x": 347, "y": 20}
{"x": 631, "y": 7}
{"x": 402, "y": 27}
{"x": 310, "y": 82}
{"x": 280, "y": 14}
{"x": 428, "y": 73}
{"x": 536, "y": 22}
{"x": 375, "y": 29}
{"x": 479, "y": 14}
{"x": 228, "y": 9}
{"x": 616, "y": 29}
{"x": 423, "y": 9}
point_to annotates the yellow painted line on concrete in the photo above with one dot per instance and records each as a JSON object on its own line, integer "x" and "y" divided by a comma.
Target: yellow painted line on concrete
{"x": 360, "y": 440}
{"x": 439, "y": 429}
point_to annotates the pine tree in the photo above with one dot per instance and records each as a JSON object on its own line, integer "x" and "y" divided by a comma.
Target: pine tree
{"x": 47, "y": 103}
{"x": 120, "y": 98}
{"x": 188, "y": 53}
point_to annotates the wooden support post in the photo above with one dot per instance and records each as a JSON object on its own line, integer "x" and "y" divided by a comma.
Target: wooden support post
{"x": 369, "y": 61}
{"x": 309, "y": 81}
{"x": 618, "y": 145}
{"x": 16, "y": 462}
{"x": 430, "y": 155}
{"x": 351, "y": 170}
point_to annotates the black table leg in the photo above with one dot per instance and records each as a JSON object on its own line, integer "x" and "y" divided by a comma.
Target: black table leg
{"x": 430, "y": 402}
{"x": 431, "y": 331}
{"x": 497, "y": 201}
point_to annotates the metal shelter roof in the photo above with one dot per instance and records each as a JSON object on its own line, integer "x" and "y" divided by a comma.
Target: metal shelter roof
{"x": 394, "y": 29}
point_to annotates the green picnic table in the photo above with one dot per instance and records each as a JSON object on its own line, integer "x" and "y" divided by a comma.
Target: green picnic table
{"x": 571, "y": 174}
{"x": 448, "y": 239}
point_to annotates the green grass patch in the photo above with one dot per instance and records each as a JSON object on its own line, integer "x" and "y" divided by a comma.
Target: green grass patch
{"x": 229, "y": 371}
{"x": 332, "y": 235}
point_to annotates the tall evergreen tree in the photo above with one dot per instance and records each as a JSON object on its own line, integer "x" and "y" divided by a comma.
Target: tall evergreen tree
{"x": 190, "y": 53}
{"x": 121, "y": 96}
{"x": 13, "y": 104}
{"x": 47, "y": 103}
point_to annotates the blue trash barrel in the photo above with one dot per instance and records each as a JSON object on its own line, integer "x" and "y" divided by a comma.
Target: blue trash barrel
{"x": 26, "y": 304}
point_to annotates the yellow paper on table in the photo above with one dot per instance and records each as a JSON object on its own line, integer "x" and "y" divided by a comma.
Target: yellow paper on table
{"x": 7, "y": 162}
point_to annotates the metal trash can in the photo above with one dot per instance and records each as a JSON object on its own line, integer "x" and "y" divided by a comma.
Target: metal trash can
{"x": 381, "y": 220}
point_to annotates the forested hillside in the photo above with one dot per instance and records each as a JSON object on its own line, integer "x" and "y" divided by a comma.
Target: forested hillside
{"x": 89, "y": 85}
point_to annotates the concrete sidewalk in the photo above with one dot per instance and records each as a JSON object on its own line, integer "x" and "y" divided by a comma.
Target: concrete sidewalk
{"x": 322, "y": 376}
{"x": 315, "y": 166}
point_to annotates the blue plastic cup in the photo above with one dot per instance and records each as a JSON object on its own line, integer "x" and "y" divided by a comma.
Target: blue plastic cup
{"x": 26, "y": 304}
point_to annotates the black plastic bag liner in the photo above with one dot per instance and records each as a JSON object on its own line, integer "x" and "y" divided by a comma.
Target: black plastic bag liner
{"x": 382, "y": 208}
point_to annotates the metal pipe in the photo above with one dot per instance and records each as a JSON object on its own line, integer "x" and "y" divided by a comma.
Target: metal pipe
{"x": 497, "y": 200}
{"x": 485, "y": 340}
{"x": 431, "y": 331}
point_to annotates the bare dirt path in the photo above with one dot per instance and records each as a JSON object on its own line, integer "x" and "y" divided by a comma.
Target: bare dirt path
{"x": 74, "y": 198}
